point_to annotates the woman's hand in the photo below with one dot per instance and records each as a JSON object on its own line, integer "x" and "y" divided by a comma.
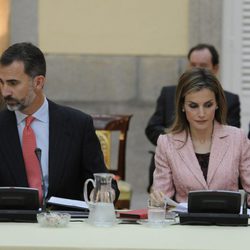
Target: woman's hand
{"x": 157, "y": 197}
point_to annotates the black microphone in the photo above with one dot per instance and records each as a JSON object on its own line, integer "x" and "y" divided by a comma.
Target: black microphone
{"x": 38, "y": 153}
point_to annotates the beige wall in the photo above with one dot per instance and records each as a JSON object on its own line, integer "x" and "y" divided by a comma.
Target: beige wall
{"x": 4, "y": 24}
{"x": 130, "y": 27}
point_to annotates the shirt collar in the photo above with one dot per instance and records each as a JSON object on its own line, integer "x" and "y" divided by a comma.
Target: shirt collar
{"x": 41, "y": 114}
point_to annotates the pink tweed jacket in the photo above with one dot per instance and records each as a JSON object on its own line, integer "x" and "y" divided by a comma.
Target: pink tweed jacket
{"x": 178, "y": 171}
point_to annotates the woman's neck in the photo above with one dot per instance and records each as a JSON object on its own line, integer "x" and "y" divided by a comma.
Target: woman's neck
{"x": 202, "y": 140}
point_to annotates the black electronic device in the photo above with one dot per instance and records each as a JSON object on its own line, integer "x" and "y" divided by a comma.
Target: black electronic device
{"x": 13, "y": 215}
{"x": 219, "y": 219}
{"x": 18, "y": 204}
{"x": 207, "y": 201}
{"x": 214, "y": 208}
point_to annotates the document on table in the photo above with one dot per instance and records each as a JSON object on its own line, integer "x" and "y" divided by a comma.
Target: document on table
{"x": 67, "y": 202}
{"x": 180, "y": 208}
{"x": 175, "y": 206}
{"x": 248, "y": 210}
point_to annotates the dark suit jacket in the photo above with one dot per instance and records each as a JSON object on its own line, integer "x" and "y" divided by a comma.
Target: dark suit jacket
{"x": 164, "y": 114}
{"x": 74, "y": 152}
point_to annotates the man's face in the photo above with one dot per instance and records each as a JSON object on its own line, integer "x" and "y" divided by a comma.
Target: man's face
{"x": 18, "y": 89}
{"x": 202, "y": 59}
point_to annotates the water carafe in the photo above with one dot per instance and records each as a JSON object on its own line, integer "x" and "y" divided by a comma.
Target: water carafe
{"x": 101, "y": 207}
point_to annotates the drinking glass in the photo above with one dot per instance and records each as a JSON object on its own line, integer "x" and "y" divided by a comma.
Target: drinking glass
{"x": 156, "y": 212}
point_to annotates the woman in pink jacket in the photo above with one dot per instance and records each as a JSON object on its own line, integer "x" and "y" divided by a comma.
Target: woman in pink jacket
{"x": 200, "y": 152}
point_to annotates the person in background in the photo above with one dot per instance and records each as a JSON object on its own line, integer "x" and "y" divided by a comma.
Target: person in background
{"x": 70, "y": 149}
{"x": 199, "y": 151}
{"x": 201, "y": 55}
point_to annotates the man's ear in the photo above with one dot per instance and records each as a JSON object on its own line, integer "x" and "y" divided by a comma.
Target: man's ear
{"x": 39, "y": 82}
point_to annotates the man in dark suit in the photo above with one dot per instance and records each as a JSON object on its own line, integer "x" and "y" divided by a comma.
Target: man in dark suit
{"x": 204, "y": 56}
{"x": 71, "y": 151}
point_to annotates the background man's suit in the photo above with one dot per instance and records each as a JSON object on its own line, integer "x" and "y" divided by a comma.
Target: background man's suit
{"x": 163, "y": 117}
{"x": 74, "y": 152}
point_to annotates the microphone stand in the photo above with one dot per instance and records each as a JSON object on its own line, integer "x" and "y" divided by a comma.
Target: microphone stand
{"x": 38, "y": 153}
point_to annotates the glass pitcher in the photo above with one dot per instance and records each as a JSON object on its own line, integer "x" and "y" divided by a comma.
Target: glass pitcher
{"x": 101, "y": 207}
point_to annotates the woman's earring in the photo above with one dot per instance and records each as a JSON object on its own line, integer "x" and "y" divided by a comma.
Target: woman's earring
{"x": 183, "y": 110}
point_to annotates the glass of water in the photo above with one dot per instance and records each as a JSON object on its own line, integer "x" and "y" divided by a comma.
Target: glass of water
{"x": 156, "y": 212}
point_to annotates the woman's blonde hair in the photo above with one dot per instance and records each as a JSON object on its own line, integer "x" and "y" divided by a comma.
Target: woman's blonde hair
{"x": 191, "y": 81}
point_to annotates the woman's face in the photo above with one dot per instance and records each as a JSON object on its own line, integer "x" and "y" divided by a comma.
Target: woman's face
{"x": 200, "y": 107}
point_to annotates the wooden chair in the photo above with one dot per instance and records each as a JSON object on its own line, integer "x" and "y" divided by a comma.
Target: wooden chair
{"x": 112, "y": 133}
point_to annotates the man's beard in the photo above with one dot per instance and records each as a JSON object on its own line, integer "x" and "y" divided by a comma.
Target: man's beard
{"x": 18, "y": 106}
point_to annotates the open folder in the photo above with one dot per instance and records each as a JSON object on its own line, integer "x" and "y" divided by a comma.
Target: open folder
{"x": 76, "y": 208}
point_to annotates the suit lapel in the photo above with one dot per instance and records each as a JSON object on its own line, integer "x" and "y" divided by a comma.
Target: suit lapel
{"x": 218, "y": 150}
{"x": 189, "y": 158}
{"x": 59, "y": 144}
{"x": 11, "y": 146}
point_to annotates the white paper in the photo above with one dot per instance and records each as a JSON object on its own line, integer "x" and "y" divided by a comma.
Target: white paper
{"x": 176, "y": 207}
{"x": 170, "y": 202}
{"x": 180, "y": 208}
{"x": 67, "y": 202}
{"x": 248, "y": 210}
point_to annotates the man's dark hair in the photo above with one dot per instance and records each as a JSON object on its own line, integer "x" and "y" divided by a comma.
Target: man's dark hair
{"x": 31, "y": 56}
{"x": 211, "y": 48}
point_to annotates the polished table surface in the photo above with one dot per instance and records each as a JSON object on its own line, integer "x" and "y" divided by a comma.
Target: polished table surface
{"x": 80, "y": 235}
